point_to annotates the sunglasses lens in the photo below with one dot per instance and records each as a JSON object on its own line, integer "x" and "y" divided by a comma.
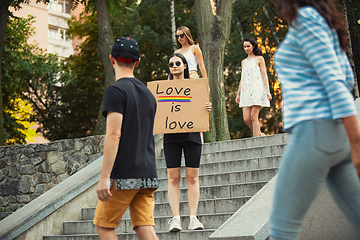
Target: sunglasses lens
{"x": 180, "y": 36}
{"x": 177, "y": 63}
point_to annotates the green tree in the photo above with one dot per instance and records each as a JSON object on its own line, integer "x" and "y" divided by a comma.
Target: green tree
{"x": 79, "y": 88}
{"x": 27, "y": 72}
{"x": 4, "y": 13}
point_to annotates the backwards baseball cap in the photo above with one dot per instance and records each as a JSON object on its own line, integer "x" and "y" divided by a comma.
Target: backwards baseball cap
{"x": 125, "y": 45}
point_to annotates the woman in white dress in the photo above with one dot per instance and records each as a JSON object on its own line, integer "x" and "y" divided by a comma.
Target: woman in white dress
{"x": 254, "y": 91}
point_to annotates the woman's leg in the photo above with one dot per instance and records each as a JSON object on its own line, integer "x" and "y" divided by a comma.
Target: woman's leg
{"x": 174, "y": 177}
{"x": 247, "y": 117}
{"x": 173, "y": 153}
{"x": 192, "y": 180}
{"x": 192, "y": 152}
{"x": 344, "y": 186}
{"x": 254, "y": 116}
{"x": 303, "y": 170}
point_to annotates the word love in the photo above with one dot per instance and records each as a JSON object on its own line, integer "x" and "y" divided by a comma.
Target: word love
{"x": 174, "y": 124}
{"x": 170, "y": 90}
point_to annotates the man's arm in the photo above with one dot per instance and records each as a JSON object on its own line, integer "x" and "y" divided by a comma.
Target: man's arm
{"x": 111, "y": 145}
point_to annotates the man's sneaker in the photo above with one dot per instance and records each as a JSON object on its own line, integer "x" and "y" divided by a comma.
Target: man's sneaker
{"x": 175, "y": 225}
{"x": 195, "y": 224}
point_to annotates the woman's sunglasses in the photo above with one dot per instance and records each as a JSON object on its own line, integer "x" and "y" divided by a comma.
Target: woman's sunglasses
{"x": 177, "y": 63}
{"x": 180, "y": 36}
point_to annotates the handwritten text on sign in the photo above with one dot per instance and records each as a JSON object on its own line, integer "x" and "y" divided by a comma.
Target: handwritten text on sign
{"x": 181, "y": 105}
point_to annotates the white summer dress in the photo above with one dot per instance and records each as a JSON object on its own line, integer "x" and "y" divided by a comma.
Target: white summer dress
{"x": 253, "y": 89}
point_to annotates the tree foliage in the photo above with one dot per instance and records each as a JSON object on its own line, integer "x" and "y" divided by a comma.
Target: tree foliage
{"x": 4, "y": 13}
{"x": 27, "y": 73}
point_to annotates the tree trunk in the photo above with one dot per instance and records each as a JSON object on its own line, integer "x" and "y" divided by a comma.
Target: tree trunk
{"x": 104, "y": 45}
{"x": 173, "y": 24}
{"x": 214, "y": 33}
{"x": 4, "y": 5}
{"x": 352, "y": 9}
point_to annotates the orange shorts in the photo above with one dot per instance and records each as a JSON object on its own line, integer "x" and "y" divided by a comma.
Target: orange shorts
{"x": 139, "y": 201}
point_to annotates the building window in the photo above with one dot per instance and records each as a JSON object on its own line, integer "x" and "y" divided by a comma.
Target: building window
{"x": 63, "y": 6}
{"x": 57, "y": 33}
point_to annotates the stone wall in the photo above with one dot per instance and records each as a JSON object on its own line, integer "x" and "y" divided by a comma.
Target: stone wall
{"x": 27, "y": 171}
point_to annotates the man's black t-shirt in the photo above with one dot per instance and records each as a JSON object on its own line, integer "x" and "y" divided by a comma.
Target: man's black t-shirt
{"x": 136, "y": 154}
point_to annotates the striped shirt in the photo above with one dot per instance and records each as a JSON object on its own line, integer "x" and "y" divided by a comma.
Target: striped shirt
{"x": 315, "y": 74}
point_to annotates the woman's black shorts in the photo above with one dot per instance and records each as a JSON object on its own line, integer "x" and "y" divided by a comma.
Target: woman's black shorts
{"x": 173, "y": 151}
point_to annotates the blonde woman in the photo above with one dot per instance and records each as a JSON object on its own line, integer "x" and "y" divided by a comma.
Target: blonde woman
{"x": 191, "y": 52}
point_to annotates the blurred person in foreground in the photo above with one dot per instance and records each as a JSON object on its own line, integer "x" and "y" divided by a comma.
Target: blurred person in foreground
{"x": 320, "y": 115}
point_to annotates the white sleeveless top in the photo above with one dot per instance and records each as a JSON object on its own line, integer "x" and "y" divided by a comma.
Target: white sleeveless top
{"x": 191, "y": 60}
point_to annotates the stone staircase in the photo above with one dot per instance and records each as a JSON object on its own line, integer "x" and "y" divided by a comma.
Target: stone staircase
{"x": 231, "y": 172}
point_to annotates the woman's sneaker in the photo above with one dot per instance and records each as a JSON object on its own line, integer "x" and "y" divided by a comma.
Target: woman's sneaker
{"x": 175, "y": 225}
{"x": 195, "y": 224}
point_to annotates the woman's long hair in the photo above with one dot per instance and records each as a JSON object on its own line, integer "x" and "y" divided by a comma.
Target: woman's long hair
{"x": 183, "y": 59}
{"x": 256, "y": 49}
{"x": 187, "y": 33}
{"x": 288, "y": 9}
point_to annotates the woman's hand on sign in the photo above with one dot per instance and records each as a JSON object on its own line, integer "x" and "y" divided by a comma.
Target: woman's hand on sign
{"x": 208, "y": 106}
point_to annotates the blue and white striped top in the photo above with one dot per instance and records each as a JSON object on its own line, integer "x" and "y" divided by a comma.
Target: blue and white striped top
{"x": 315, "y": 74}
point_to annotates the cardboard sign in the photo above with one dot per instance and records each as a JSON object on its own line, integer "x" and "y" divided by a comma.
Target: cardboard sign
{"x": 181, "y": 105}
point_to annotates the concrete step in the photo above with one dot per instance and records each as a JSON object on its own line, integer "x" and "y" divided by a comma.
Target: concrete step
{"x": 248, "y": 153}
{"x": 230, "y": 166}
{"x": 231, "y": 172}
{"x": 210, "y": 221}
{"x": 220, "y": 192}
{"x": 228, "y": 178}
{"x": 209, "y": 206}
{"x": 277, "y": 139}
{"x": 244, "y": 143}
{"x": 163, "y": 235}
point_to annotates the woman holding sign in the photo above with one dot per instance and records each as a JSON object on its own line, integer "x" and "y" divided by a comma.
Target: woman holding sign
{"x": 174, "y": 143}
{"x": 191, "y": 52}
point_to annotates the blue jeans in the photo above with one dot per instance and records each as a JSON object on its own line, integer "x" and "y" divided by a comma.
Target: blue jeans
{"x": 318, "y": 152}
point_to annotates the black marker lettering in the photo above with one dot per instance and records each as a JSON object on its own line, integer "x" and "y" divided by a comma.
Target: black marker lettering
{"x": 157, "y": 88}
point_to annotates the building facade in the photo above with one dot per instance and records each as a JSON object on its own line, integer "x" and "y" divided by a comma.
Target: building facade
{"x": 50, "y": 25}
